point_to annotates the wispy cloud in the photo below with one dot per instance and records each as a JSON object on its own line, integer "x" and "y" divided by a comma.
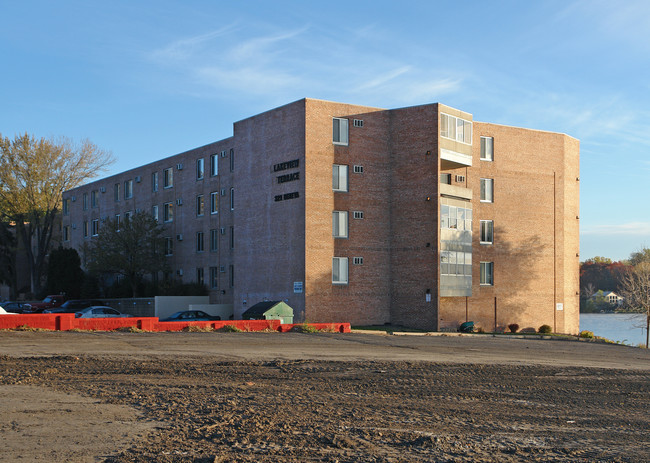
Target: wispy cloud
{"x": 622, "y": 229}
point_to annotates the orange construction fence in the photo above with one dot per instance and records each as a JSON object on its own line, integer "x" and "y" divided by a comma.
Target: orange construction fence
{"x": 67, "y": 321}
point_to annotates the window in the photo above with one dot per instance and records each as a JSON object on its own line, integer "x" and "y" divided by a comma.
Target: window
{"x": 117, "y": 222}
{"x": 232, "y": 237}
{"x": 214, "y": 164}
{"x": 168, "y": 212}
{"x": 168, "y": 178}
{"x": 340, "y": 131}
{"x": 487, "y": 190}
{"x": 154, "y": 213}
{"x": 127, "y": 215}
{"x": 154, "y": 181}
{"x": 93, "y": 198}
{"x": 445, "y": 178}
{"x": 66, "y": 233}
{"x": 200, "y": 206}
{"x": 85, "y": 201}
{"x": 214, "y": 202}
{"x": 456, "y": 263}
{"x": 199, "y": 241}
{"x": 85, "y": 229}
{"x": 487, "y": 149}
{"x": 487, "y": 231}
{"x": 340, "y": 224}
{"x": 340, "y": 270}
{"x": 200, "y": 169}
{"x": 455, "y": 128}
{"x": 456, "y": 217}
{"x": 232, "y": 199}
{"x": 339, "y": 177}
{"x": 487, "y": 273}
{"x": 214, "y": 277}
{"x": 66, "y": 206}
{"x": 357, "y": 260}
{"x": 214, "y": 240}
{"x": 116, "y": 192}
{"x": 358, "y": 214}
{"x": 358, "y": 169}
{"x": 95, "y": 227}
{"x": 200, "y": 275}
{"x": 232, "y": 160}
{"x": 128, "y": 189}
{"x": 169, "y": 246}
{"x": 232, "y": 276}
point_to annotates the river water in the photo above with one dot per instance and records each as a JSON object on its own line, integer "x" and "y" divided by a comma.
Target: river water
{"x": 621, "y": 327}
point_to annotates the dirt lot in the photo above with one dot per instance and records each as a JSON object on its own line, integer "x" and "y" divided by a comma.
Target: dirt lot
{"x": 218, "y": 397}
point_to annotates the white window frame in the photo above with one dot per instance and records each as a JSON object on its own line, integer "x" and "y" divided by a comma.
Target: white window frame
{"x": 486, "y": 232}
{"x": 340, "y": 224}
{"x": 214, "y": 165}
{"x": 457, "y": 129}
{"x": 340, "y": 177}
{"x": 340, "y": 131}
{"x": 357, "y": 215}
{"x": 487, "y": 148}
{"x": 154, "y": 213}
{"x": 232, "y": 199}
{"x": 154, "y": 181}
{"x": 214, "y": 240}
{"x": 214, "y": 277}
{"x": 357, "y": 169}
{"x": 95, "y": 227}
{"x": 214, "y": 202}
{"x": 116, "y": 192}
{"x": 200, "y": 169}
{"x": 487, "y": 190}
{"x": 200, "y": 206}
{"x": 168, "y": 177}
{"x": 128, "y": 189}
{"x": 168, "y": 212}
{"x": 487, "y": 274}
{"x": 357, "y": 261}
{"x": 169, "y": 246}
{"x": 340, "y": 270}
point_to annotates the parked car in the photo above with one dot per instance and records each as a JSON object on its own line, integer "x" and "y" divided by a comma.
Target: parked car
{"x": 16, "y": 307}
{"x": 4, "y": 312}
{"x": 74, "y": 305}
{"x": 100, "y": 311}
{"x": 55, "y": 300}
{"x": 191, "y": 316}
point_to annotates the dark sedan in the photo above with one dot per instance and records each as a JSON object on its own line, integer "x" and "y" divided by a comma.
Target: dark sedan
{"x": 74, "y": 306}
{"x": 16, "y": 307}
{"x": 191, "y": 316}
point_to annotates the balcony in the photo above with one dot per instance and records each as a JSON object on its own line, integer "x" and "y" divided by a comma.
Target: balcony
{"x": 455, "y": 191}
{"x": 453, "y": 159}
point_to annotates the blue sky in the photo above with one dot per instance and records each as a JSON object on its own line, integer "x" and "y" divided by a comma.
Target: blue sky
{"x": 149, "y": 79}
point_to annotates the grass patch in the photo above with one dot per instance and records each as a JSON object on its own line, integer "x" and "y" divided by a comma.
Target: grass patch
{"x": 197, "y": 329}
{"x": 230, "y": 329}
{"x": 304, "y": 328}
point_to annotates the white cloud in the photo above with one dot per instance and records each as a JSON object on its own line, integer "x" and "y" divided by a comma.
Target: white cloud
{"x": 617, "y": 230}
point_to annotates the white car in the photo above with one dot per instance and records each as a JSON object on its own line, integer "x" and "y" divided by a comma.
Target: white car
{"x": 100, "y": 311}
{"x": 4, "y": 312}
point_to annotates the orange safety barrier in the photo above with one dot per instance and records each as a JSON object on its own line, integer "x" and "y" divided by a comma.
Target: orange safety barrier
{"x": 67, "y": 321}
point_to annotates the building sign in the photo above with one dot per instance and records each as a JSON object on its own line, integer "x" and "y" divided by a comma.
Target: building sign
{"x": 297, "y": 286}
{"x": 286, "y": 165}
{"x": 284, "y": 178}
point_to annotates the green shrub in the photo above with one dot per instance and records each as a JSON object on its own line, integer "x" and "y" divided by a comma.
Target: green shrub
{"x": 587, "y": 334}
{"x": 230, "y": 329}
{"x": 545, "y": 329}
{"x": 513, "y": 327}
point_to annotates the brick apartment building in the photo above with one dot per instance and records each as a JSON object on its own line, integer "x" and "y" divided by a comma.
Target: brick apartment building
{"x": 416, "y": 216}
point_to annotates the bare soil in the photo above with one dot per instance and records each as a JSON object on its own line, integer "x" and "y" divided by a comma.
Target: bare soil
{"x": 244, "y": 397}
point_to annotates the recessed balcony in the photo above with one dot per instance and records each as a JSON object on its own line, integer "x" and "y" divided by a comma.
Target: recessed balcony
{"x": 453, "y": 159}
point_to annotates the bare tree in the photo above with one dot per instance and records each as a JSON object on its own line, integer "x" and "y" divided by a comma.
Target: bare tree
{"x": 635, "y": 288}
{"x": 133, "y": 248}
{"x": 33, "y": 175}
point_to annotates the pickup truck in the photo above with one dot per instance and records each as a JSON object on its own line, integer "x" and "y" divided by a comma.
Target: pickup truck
{"x": 49, "y": 302}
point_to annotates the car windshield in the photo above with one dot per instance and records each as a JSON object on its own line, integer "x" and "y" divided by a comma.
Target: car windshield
{"x": 48, "y": 299}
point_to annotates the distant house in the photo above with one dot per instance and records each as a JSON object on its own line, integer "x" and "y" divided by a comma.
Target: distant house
{"x": 608, "y": 296}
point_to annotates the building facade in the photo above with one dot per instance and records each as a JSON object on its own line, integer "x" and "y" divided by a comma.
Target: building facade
{"x": 416, "y": 216}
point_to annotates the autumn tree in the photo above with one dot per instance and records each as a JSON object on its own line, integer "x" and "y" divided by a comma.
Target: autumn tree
{"x": 33, "y": 175}
{"x": 635, "y": 288}
{"x": 132, "y": 248}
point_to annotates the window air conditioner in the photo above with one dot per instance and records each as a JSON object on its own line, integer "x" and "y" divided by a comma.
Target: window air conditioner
{"x": 179, "y": 237}
{"x": 138, "y": 179}
{"x": 179, "y": 166}
{"x": 179, "y": 202}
